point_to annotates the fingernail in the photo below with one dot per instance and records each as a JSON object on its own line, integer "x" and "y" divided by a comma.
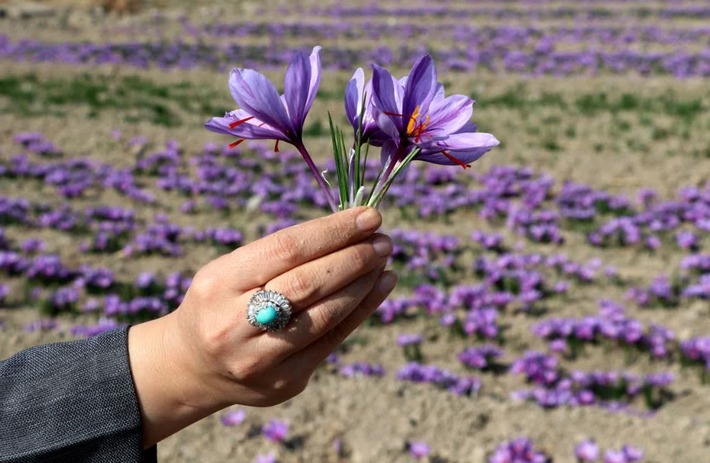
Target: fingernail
{"x": 387, "y": 282}
{"x": 382, "y": 246}
{"x": 368, "y": 220}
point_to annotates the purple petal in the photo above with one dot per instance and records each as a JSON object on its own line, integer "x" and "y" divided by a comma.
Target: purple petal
{"x": 252, "y": 129}
{"x": 387, "y": 153}
{"x": 296, "y": 83}
{"x": 465, "y": 147}
{"x": 357, "y": 91}
{"x": 254, "y": 93}
{"x": 468, "y": 127}
{"x": 219, "y": 125}
{"x": 300, "y": 86}
{"x": 387, "y": 95}
{"x": 439, "y": 94}
{"x": 388, "y": 125}
{"x": 421, "y": 86}
{"x": 315, "y": 77}
{"x": 449, "y": 115}
{"x": 353, "y": 96}
{"x": 463, "y": 157}
{"x": 463, "y": 141}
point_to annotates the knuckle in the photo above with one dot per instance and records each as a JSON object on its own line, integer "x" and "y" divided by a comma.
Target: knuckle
{"x": 337, "y": 230}
{"x": 249, "y": 369}
{"x": 215, "y": 341}
{"x": 255, "y": 371}
{"x": 360, "y": 257}
{"x": 343, "y": 229}
{"x": 299, "y": 286}
{"x": 336, "y": 336}
{"x": 204, "y": 285}
{"x": 286, "y": 248}
{"x": 324, "y": 317}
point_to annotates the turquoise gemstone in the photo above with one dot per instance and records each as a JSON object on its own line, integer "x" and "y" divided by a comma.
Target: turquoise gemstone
{"x": 266, "y": 315}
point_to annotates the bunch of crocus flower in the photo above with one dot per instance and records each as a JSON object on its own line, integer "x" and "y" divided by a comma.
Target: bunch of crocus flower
{"x": 408, "y": 119}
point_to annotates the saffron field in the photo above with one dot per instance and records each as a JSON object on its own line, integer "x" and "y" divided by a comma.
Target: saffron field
{"x": 554, "y": 299}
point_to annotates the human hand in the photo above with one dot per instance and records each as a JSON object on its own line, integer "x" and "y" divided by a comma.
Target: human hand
{"x": 331, "y": 269}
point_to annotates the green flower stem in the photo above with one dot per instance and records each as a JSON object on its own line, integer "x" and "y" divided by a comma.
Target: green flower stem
{"x": 393, "y": 169}
{"x": 319, "y": 178}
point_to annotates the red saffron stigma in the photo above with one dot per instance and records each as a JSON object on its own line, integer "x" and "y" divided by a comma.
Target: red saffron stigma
{"x": 276, "y": 146}
{"x": 236, "y": 143}
{"x": 414, "y": 129}
{"x": 393, "y": 114}
{"x": 240, "y": 121}
{"x": 455, "y": 159}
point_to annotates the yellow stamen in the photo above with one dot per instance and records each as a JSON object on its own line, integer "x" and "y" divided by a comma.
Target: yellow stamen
{"x": 415, "y": 129}
{"x": 413, "y": 120}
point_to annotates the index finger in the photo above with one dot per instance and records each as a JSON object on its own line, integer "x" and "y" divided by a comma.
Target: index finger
{"x": 260, "y": 261}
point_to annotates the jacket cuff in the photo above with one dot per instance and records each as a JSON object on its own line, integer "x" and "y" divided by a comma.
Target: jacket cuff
{"x": 71, "y": 400}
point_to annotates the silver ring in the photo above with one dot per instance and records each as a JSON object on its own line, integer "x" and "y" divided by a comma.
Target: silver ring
{"x": 268, "y": 310}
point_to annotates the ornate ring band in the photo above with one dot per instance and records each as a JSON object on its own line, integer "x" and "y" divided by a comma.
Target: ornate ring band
{"x": 268, "y": 310}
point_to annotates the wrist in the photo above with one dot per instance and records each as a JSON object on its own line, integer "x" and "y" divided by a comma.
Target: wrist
{"x": 170, "y": 393}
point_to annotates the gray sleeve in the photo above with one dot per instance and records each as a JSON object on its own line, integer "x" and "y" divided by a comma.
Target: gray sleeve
{"x": 72, "y": 401}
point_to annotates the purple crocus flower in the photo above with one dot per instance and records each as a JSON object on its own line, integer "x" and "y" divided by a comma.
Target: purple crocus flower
{"x": 415, "y": 114}
{"x": 268, "y": 458}
{"x": 358, "y": 103}
{"x": 32, "y": 245}
{"x": 519, "y": 450}
{"x": 418, "y": 449}
{"x": 615, "y": 456}
{"x": 275, "y": 430}
{"x": 686, "y": 240}
{"x": 4, "y": 291}
{"x": 43, "y": 324}
{"x": 633, "y": 454}
{"x": 361, "y": 369}
{"x": 479, "y": 357}
{"x": 233, "y": 418}
{"x": 265, "y": 115}
{"x": 103, "y": 325}
{"x": 144, "y": 280}
{"x": 587, "y": 451}
{"x": 409, "y": 339}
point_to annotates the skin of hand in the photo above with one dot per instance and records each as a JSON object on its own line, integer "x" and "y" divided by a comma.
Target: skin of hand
{"x": 206, "y": 356}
